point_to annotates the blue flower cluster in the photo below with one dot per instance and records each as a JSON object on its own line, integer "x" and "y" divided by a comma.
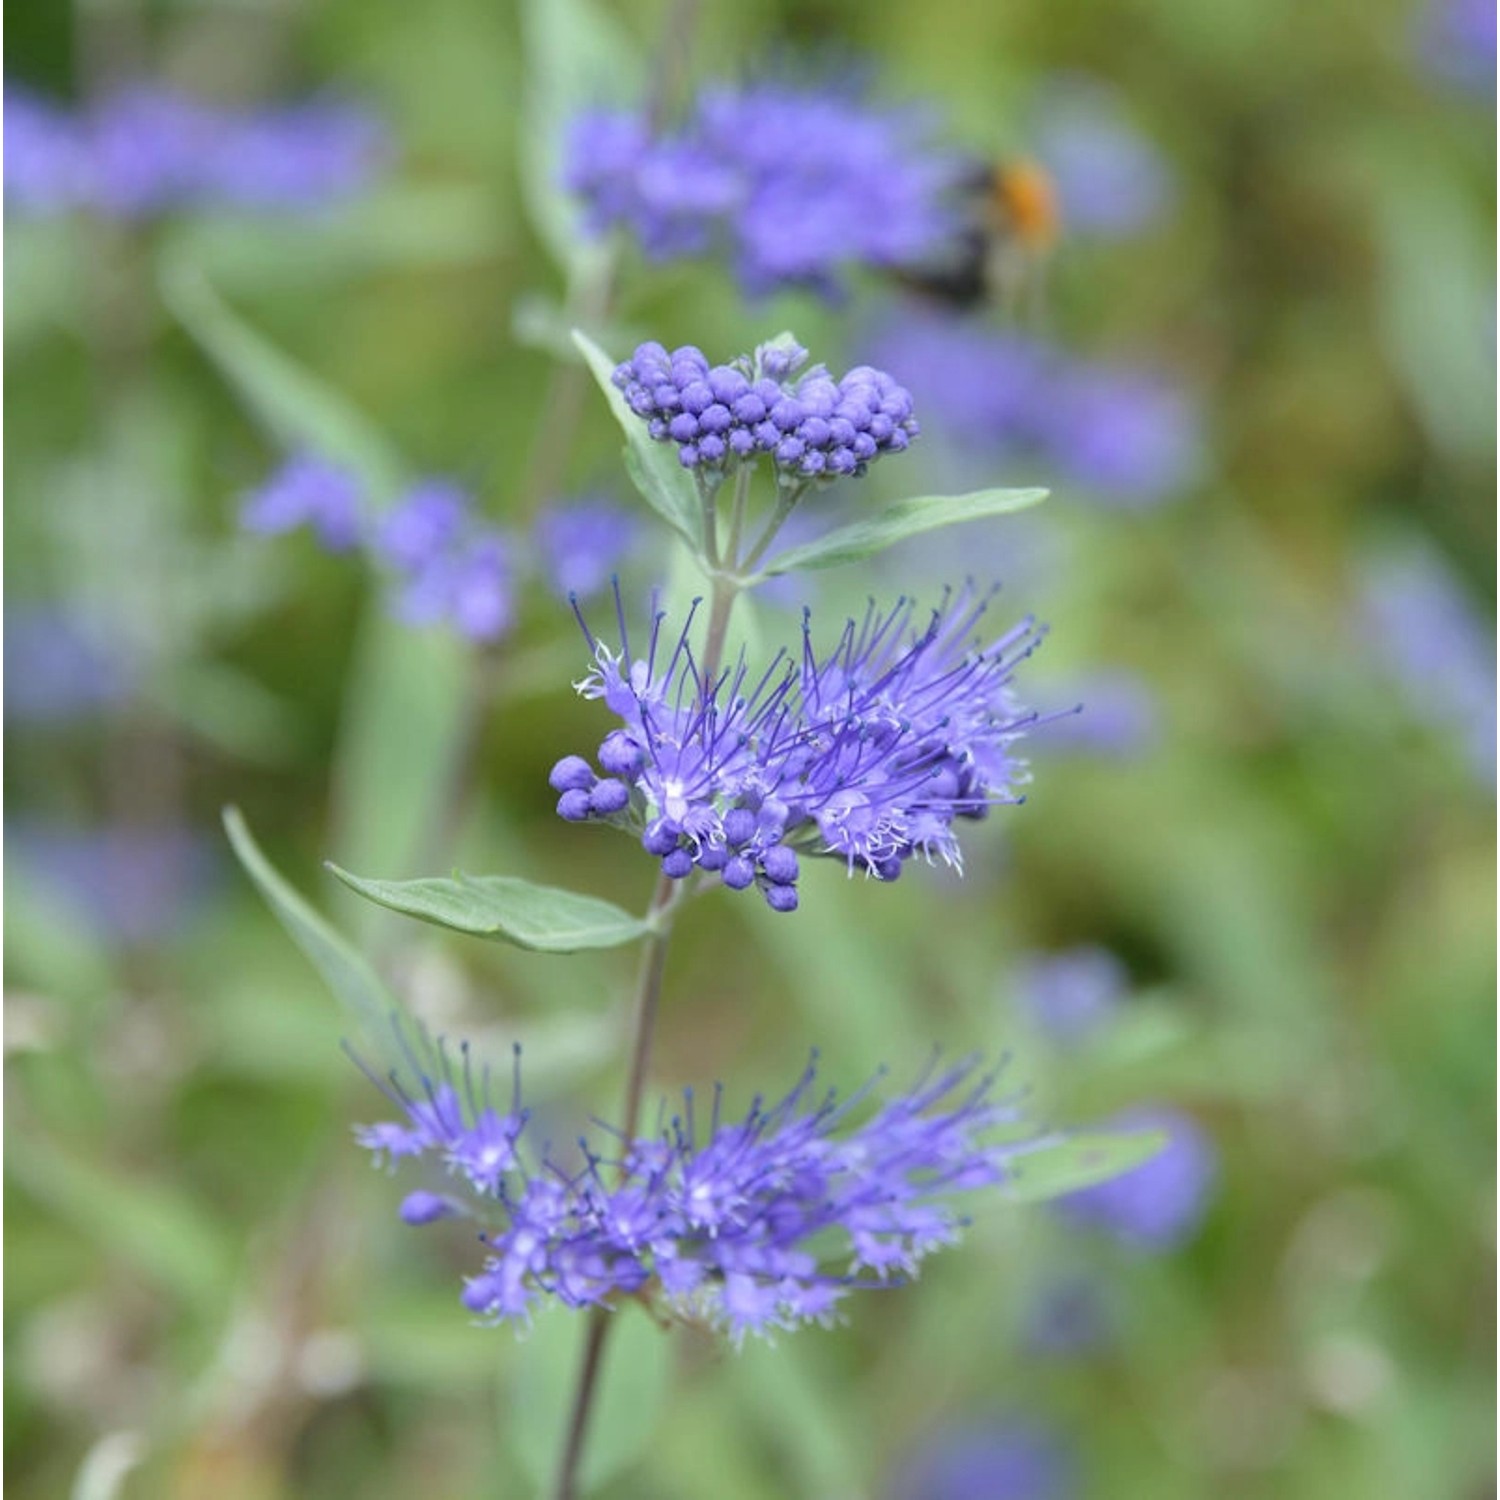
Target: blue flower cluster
{"x": 1160, "y": 1204}
{"x": 1073, "y": 994}
{"x": 868, "y": 753}
{"x": 1120, "y": 433}
{"x": 129, "y": 885}
{"x": 1456, "y": 42}
{"x": 1008, "y": 1457}
{"x": 1110, "y": 180}
{"x": 308, "y": 491}
{"x": 61, "y": 665}
{"x": 150, "y": 150}
{"x": 795, "y": 185}
{"x": 450, "y": 568}
{"x": 1431, "y": 640}
{"x": 817, "y": 427}
{"x": 735, "y": 1228}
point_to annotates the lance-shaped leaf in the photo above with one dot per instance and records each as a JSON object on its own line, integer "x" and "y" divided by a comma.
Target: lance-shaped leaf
{"x": 1078, "y": 1161}
{"x": 665, "y": 485}
{"x": 375, "y": 1011}
{"x": 905, "y": 519}
{"x": 542, "y": 917}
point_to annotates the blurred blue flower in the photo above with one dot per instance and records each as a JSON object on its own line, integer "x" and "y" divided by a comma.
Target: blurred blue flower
{"x": 733, "y": 1225}
{"x": 1431, "y": 640}
{"x": 58, "y": 667}
{"x": 1124, "y": 434}
{"x": 1111, "y": 181}
{"x": 1456, "y": 41}
{"x": 427, "y": 521}
{"x": 581, "y": 544}
{"x": 982, "y": 388}
{"x": 308, "y": 491}
{"x": 795, "y": 185}
{"x": 1161, "y": 1203}
{"x": 1072, "y": 994}
{"x": 148, "y": 150}
{"x": 1004, "y": 1458}
{"x": 125, "y": 884}
{"x": 293, "y": 156}
{"x": 46, "y": 167}
{"x": 451, "y": 569}
{"x": 1119, "y": 714}
{"x": 1067, "y": 1318}
{"x": 1121, "y": 434}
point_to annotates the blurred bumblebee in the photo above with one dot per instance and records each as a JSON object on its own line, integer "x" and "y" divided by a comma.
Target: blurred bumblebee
{"x": 1011, "y": 224}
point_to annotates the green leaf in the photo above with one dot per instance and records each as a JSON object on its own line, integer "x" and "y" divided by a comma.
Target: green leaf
{"x": 1078, "y": 1161}
{"x": 665, "y": 485}
{"x": 345, "y": 971}
{"x": 296, "y": 407}
{"x": 634, "y": 1377}
{"x": 577, "y": 57}
{"x": 906, "y": 519}
{"x": 403, "y": 734}
{"x": 541, "y": 917}
{"x": 1438, "y": 302}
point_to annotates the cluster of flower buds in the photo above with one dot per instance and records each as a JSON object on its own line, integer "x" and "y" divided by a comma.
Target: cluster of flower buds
{"x": 812, "y": 427}
{"x": 742, "y": 847}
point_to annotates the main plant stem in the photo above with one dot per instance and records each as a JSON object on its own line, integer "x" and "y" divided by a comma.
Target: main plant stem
{"x": 643, "y": 1031}
{"x": 648, "y": 992}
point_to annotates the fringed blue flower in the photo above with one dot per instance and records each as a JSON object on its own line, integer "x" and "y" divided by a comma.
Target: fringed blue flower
{"x": 747, "y": 1225}
{"x": 869, "y": 752}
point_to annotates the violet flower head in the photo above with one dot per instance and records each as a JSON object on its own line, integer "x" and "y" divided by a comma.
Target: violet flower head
{"x": 46, "y": 168}
{"x": 452, "y": 570}
{"x": 59, "y": 666}
{"x": 748, "y": 1224}
{"x": 1069, "y": 1318}
{"x": 795, "y": 185}
{"x": 1456, "y": 42}
{"x": 1073, "y": 994}
{"x": 293, "y": 156}
{"x": 149, "y": 150}
{"x": 1127, "y": 435}
{"x": 986, "y": 389}
{"x": 1433, "y": 643}
{"x": 1160, "y": 1204}
{"x": 308, "y": 491}
{"x": 868, "y": 752}
{"x": 1009, "y": 1458}
{"x": 1111, "y": 181}
{"x": 812, "y": 427}
{"x": 126, "y": 885}
{"x": 581, "y": 544}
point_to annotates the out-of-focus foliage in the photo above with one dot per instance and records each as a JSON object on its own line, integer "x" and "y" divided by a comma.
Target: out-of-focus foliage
{"x": 1282, "y": 828}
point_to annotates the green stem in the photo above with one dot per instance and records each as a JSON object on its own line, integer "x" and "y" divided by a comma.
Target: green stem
{"x": 648, "y": 993}
{"x": 643, "y": 1030}
{"x": 737, "y": 518}
{"x": 786, "y": 503}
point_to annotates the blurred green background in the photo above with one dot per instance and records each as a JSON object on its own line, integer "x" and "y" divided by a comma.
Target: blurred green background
{"x": 207, "y": 1289}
